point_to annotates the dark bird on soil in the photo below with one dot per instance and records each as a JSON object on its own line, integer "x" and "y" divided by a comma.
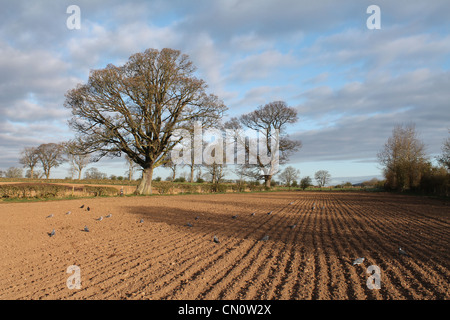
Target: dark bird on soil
{"x": 50, "y": 216}
{"x": 82, "y": 206}
{"x": 100, "y": 219}
{"x": 358, "y": 261}
{"x": 108, "y": 216}
{"x": 51, "y": 234}
{"x": 88, "y": 209}
{"x": 269, "y": 212}
{"x": 68, "y": 212}
{"x": 196, "y": 218}
{"x": 86, "y": 229}
{"x": 265, "y": 238}
{"x": 141, "y": 221}
{"x": 253, "y": 213}
{"x": 235, "y": 216}
{"x": 189, "y": 225}
{"x": 292, "y": 226}
{"x": 215, "y": 239}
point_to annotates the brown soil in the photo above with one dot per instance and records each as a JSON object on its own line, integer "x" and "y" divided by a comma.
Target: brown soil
{"x": 163, "y": 258}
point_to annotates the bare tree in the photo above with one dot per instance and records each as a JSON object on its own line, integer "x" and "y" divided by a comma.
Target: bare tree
{"x": 134, "y": 109}
{"x": 14, "y": 173}
{"x": 169, "y": 164}
{"x": 50, "y": 156}
{"x": 29, "y": 159}
{"x": 403, "y": 158}
{"x": 289, "y": 174}
{"x": 270, "y": 121}
{"x": 77, "y": 161}
{"x": 132, "y": 166}
{"x": 444, "y": 159}
{"x": 322, "y": 177}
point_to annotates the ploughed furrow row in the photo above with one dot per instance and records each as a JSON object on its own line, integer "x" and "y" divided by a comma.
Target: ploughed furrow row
{"x": 399, "y": 272}
{"x": 220, "y": 286}
{"x": 373, "y": 237}
{"x": 197, "y": 271}
{"x": 216, "y": 271}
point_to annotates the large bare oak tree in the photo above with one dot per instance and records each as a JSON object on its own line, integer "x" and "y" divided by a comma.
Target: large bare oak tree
{"x": 133, "y": 109}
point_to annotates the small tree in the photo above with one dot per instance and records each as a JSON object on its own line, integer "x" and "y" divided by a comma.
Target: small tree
{"x": 51, "y": 156}
{"x": 306, "y": 182}
{"x": 29, "y": 159}
{"x": 403, "y": 158}
{"x": 289, "y": 174}
{"x": 14, "y": 173}
{"x": 78, "y": 161}
{"x": 94, "y": 174}
{"x": 322, "y": 177}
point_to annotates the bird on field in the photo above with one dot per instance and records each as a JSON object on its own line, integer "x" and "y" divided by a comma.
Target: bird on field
{"x": 100, "y": 219}
{"x": 402, "y": 252}
{"x": 50, "y": 216}
{"x": 108, "y": 216}
{"x": 292, "y": 226}
{"x": 215, "y": 239}
{"x": 82, "y": 206}
{"x": 358, "y": 261}
{"x": 253, "y": 213}
{"x": 269, "y": 212}
{"x": 189, "y": 224}
{"x": 86, "y": 229}
{"x": 68, "y": 212}
{"x": 88, "y": 209}
{"x": 291, "y": 203}
{"x": 196, "y": 218}
{"x": 141, "y": 221}
{"x": 51, "y": 234}
{"x": 265, "y": 238}
{"x": 235, "y": 216}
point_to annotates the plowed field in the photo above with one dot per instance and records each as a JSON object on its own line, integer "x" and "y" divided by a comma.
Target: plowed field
{"x": 164, "y": 258}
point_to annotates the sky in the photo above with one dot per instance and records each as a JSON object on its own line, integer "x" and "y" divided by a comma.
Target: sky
{"x": 350, "y": 84}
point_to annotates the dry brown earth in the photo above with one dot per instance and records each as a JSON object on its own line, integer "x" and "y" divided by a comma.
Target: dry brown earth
{"x": 163, "y": 258}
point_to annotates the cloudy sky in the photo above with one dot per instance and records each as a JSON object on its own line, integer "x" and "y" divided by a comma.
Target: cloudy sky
{"x": 350, "y": 84}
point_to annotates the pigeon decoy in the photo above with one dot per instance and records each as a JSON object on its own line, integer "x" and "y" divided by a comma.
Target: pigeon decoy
{"x": 235, "y": 216}
{"x": 86, "y": 229}
{"x": 82, "y": 206}
{"x": 50, "y": 216}
{"x": 108, "y": 216}
{"x": 51, "y": 234}
{"x": 189, "y": 224}
{"x": 68, "y": 212}
{"x": 292, "y": 226}
{"x": 88, "y": 209}
{"x": 265, "y": 238}
{"x": 100, "y": 219}
{"x": 141, "y": 221}
{"x": 215, "y": 239}
{"x": 358, "y": 261}
{"x": 253, "y": 213}
{"x": 196, "y": 218}
{"x": 269, "y": 212}
{"x": 402, "y": 252}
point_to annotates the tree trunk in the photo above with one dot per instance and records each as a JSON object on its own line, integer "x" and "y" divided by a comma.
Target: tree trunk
{"x": 192, "y": 174}
{"x": 145, "y": 187}
{"x": 267, "y": 181}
